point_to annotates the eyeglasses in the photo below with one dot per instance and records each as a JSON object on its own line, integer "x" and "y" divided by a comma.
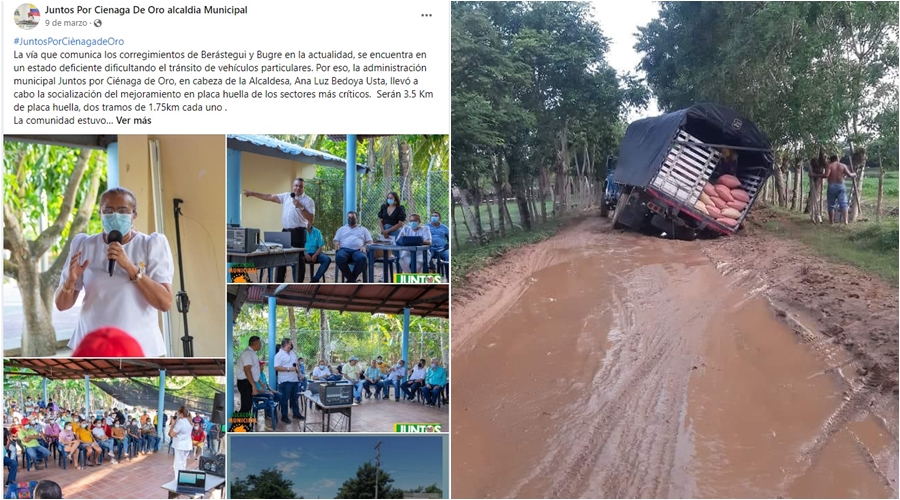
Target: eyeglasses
{"x": 121, "y": 211}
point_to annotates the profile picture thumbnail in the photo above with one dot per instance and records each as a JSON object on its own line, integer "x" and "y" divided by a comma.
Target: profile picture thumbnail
{"x": 27, "y": 16}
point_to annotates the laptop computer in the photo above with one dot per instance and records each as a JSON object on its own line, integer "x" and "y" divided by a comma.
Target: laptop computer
{"x": 191, "y": 483}
{"x": 280, "y": 237}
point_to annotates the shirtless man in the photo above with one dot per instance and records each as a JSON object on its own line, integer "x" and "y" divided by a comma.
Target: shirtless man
{"x": 835, "y": 172}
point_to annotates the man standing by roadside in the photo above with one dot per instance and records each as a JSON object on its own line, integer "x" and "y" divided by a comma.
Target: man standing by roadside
{"x": 297, "y": 213}
{"x": 835, "y": 172}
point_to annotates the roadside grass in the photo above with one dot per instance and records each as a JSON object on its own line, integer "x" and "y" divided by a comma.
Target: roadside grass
{"x": 891, "y": 189}
{"x": 870, "y": 246}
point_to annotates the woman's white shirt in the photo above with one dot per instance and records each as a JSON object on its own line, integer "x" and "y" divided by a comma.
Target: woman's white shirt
{"x": 182, "y": 439}
{"x": 114, "y": 300}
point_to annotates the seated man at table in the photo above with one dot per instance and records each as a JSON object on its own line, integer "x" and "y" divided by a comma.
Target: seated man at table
{"x": 373, "y": 378}
{"x": 350, "y": 248}
{"x": 315, "y": 248}
{"x": 33, "y": 448}
{"x": 435, "y": 380}
{"x": 414, "y": 228}
{"x": 353, "y": 373}
{"x": 415, "y": 380}
{"x": 440, "y": 241}
{"x": 322, "y": 373}
{"x": 395, "y": 375}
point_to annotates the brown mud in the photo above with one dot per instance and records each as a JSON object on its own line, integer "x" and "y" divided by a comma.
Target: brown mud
{"x": 607, "y": 364}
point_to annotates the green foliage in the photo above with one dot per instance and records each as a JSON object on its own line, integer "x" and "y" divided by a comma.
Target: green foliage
{"x": 363, "y": 485}
{"x": 870, "y": 188}
{"x": 269, "y": 483}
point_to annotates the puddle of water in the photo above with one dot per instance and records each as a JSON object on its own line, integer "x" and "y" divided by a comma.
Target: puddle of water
{"x": 587, "y": 387}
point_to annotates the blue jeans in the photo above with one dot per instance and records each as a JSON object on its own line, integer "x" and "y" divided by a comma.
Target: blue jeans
{"x": 109, "y": 444}
{"x": 393, "y": 233}
{"x": 410, "y": 388}
{"x": 289, "y": 394}
{"x": 13, "y": 467}
{"x": 387, "y": 388}
{"x": 837, "y": 196}
{"x": 431, "y": 394}
{"x": 357, "y": 389}
{"x": 346, "y": 256}
{"x": 324, "y": 262}
{"x": 37, "y": 453}
{"x": 378, "y": 385}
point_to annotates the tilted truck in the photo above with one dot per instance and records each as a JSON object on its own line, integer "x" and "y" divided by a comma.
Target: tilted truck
{"x": 665, "y": 162}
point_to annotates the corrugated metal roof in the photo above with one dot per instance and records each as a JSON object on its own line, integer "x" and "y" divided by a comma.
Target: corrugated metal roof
{"x": 423, "y": 300}
{"x": 77, "y": 368}
{"x": 269, "y": 146}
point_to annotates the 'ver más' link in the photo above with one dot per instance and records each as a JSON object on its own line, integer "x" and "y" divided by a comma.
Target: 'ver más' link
{"x": 72, "y": 41}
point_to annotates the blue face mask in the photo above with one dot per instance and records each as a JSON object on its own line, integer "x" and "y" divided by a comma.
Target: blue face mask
{"x": 390, "y": 201}
{"x": 435, "y": 220}
{"x": 116, "y": 222}
{"x": 414, "y": 224}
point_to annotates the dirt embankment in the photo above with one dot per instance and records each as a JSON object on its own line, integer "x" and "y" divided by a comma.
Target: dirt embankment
{"x": 819, "y": 298}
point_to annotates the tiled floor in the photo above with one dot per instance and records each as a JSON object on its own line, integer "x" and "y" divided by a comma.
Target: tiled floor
{"x": 142, "y": 477}
{"x": 376, "y": 416}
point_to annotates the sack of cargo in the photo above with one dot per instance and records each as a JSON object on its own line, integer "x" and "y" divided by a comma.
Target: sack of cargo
{"x": 701, "y": 207}
{"x": 709, "y": 189}
{"x": 727, "y": 221}
{"x": 724, "y": 192}
{"x": 730, "y": 212}
{"x": 714, "y": 211}
{"x": 730, "y": 181}
{"x": 737, "y": 205}
{"x": 705, "y": 199}
{"x": 740, "y": 195}
{"x": 719, "y": 202}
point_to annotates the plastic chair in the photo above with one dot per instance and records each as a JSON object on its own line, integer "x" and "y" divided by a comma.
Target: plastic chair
{"x": 266, "y": 404}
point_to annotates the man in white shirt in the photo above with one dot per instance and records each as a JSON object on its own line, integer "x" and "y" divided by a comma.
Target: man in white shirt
{"x": 415, "y": 381}
{"x": 286, "y": 366}
{"x": 247, "y": 373}
{"x": 398, "y": 371}
{"x": 350, "y": 248}
{"x": 414, "y": 228}
{"x": 297, "y": 213}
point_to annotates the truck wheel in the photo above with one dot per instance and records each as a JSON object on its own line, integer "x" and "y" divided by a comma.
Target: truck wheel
{"x": 620, "y": 207}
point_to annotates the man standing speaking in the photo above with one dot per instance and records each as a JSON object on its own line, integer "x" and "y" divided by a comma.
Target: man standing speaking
{"x": 297, "y": 213}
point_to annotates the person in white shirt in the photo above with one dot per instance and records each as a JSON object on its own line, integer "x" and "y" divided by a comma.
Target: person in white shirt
{"x": 398, "y": 371}
{"x": 298, "y": 211}
{"x": 415, "y": 228}
{"x": 181, "y": 439}
{"x": 140, "y": 285}
{"x": 350, "y": 248}
{"x": 415, "y": 381}
{"x": 288, "y": 372}
{"x": 247, "y": 373}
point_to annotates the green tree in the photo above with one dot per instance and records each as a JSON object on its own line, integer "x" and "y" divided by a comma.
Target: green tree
{"x": 269, "y": 483}
{"x": 363, "y": 485}
{"x": 58, "y": 185}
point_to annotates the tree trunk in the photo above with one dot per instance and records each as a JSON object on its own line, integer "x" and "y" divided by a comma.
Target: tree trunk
{"x": 323, "y": 335}
{"x": 880, "y": 188}
{"x": 543, "y": 187}
{"x": 292, "y": 325}
{"x": 405, "y": 170}
{"x": 490, "y": 214}
{"x": 795, "y": 190}
{"x": 476, "y": 208}
{"x": 469, "y": 218}
{"x": 501, "y": 200}
{"x": 562, "y": 171}
{"x": 780, "y": 187}
{"x": 858, "y": 160}
{"x": 453, "y": 219}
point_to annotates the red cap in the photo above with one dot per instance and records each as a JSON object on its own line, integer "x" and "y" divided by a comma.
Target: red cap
{"x": 108, "y": 342}
{"x": 24, "y": 421}
{"x": 262, "y": 361}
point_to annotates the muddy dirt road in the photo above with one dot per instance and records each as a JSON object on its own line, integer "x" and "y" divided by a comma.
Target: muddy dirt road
{"x": 608, "y": 364}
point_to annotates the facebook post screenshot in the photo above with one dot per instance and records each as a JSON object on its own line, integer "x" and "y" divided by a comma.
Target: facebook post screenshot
{"x": 291, "y": 158}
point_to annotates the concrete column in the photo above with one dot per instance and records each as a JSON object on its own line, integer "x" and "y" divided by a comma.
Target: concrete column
{"x": 273, "y": 343}
{"x": 112, "y": 165}
{"x": 350, "y": 177}
{"x": 409, "y": 364}
{"x": 161, "y": 408}
{"x": 233, "y": 186}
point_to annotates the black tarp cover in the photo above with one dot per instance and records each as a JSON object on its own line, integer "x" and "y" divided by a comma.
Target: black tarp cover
{"x": 648, "y": 140}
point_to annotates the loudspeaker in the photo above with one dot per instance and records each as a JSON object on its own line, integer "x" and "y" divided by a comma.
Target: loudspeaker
{"x": 213, "y": 465}
{"x": 218, "y": 413}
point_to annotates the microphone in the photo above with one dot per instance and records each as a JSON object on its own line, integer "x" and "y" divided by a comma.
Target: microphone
{"x": 292, "y": 194}
{"x": 113, "y": 236}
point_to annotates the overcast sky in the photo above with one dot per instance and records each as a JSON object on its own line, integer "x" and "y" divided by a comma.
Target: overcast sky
{"x": 619, "y": 21}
